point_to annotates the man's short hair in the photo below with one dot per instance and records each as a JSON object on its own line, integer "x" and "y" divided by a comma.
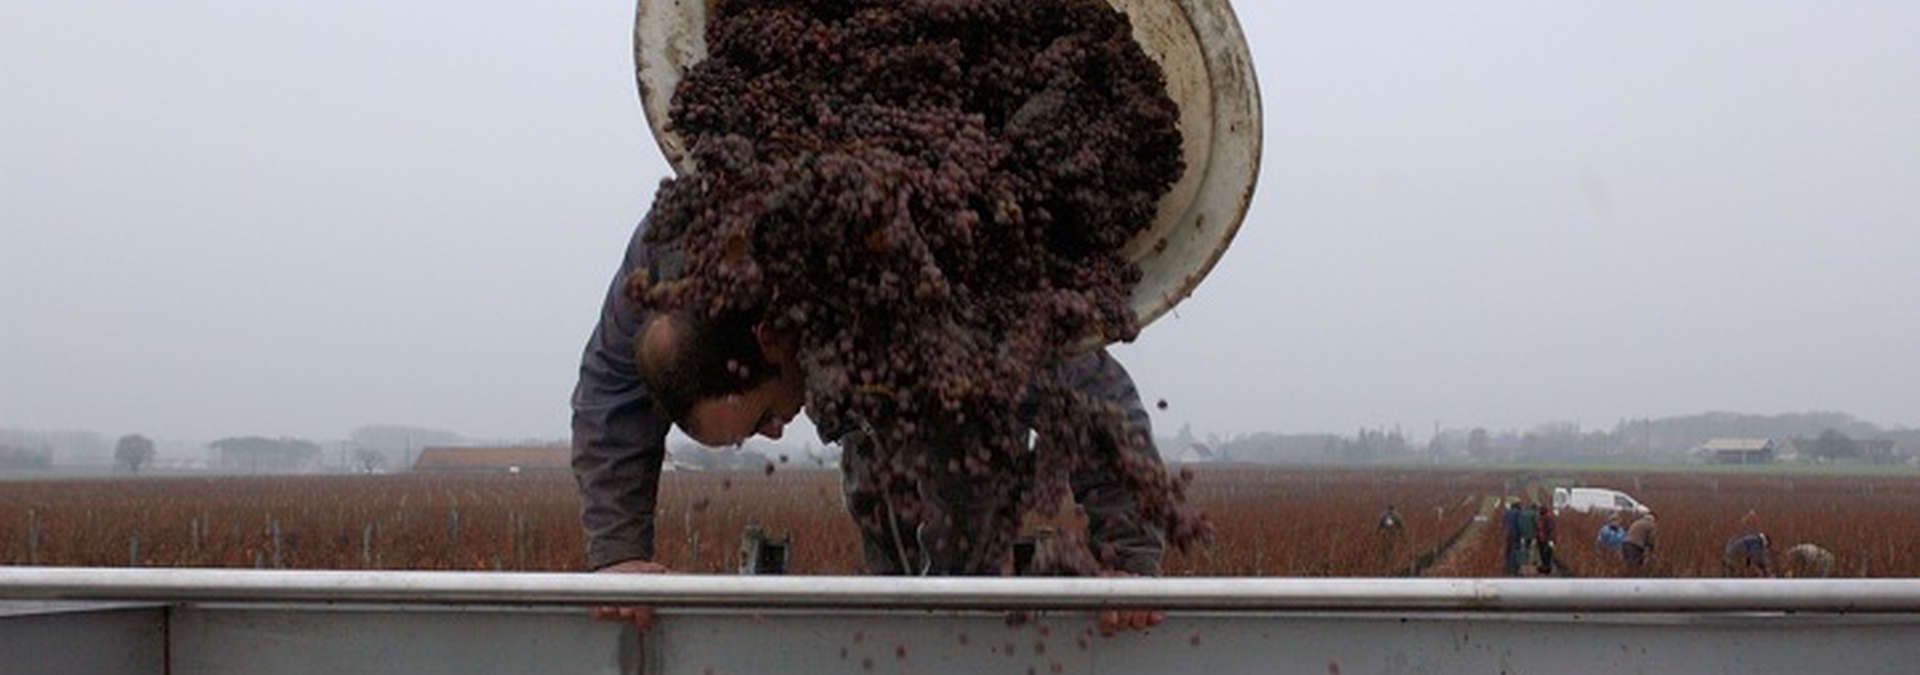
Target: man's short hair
{"x": 698, "y": 357}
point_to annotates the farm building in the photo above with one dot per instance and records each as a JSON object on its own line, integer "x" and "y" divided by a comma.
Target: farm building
{"x": 1738, "y": 450}
{"x": 1195, "y": 453}
{"x": 257, "y": 454}
{"x": 509, "y": 459}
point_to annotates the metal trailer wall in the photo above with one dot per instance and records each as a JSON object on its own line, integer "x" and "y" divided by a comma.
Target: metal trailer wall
{"x": 243, "y": 621}
{"x": 82, "y": 637}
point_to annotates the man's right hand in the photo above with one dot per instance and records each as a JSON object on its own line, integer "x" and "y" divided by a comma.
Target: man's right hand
{"x": 642, "y": 617}
{"x": 1113, "y": 621}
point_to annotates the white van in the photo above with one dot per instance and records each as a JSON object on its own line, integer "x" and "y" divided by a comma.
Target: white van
{"x": 1596, "y": 500}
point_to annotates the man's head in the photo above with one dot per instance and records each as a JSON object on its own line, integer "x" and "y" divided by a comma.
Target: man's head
{"x": 721, "y": 379}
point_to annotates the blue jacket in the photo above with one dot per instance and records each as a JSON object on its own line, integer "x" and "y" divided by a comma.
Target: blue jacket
{"x": 1611, "y": 536}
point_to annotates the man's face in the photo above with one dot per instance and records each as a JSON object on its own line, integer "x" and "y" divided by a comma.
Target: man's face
{"x": 765, "y": 409}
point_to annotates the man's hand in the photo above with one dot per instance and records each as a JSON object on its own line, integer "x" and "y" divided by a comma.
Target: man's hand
{"x": 642, "y": 617}
{"x": 1112, "y": 621}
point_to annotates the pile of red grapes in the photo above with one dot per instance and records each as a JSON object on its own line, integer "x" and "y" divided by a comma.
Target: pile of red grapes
{"x": 931, "y": 197}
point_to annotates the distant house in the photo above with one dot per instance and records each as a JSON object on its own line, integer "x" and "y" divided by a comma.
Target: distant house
{"x": 1792, "y": 450}
{"x": 1739, "y": 450}
{"x": 178, "y": 464}
{"x": 1195, "y": 453}
{"x": 509, "y": 459}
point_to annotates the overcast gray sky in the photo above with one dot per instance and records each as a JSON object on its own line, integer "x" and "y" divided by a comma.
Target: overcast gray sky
{"x": 226, "y": 217}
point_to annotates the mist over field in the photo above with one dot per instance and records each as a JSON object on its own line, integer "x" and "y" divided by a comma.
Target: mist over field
{"x": 1557, "y": 224}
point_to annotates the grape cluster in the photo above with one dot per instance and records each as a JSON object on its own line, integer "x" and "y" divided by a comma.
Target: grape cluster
{"x": 931, "y": 197}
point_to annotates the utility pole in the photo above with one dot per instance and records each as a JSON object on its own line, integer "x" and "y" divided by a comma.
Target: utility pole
{"x": 1433, "y": 443}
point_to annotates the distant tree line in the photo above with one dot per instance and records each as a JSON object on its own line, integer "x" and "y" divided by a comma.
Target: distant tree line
{"x": 56, "y": 446}
{"x": 13, "y": 457}
{"x": 1819, "y": 435}
{"x": 259, "y": 454}
{"x": 1833, "y": 445}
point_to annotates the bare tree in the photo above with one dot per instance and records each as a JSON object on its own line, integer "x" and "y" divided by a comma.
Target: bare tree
{"x": 369, "y": 460}
{"x": 133, "y": 451}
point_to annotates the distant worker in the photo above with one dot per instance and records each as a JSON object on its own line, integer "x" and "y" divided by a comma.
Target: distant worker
{"x": 1389, "y": 526}
{"x": 1510, "y": 521}
{"x": 1529, "y": 532}
{"x": 1543, "y": 535}
{"x": 1611, "y": 536}
{"x": 1390, "y": 522}
{"x": 1746, "y": 553}
{"x": 1639, "y": 543}
{"x": 1809, "y": 560}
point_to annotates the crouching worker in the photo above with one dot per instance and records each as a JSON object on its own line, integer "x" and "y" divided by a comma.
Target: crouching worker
{"x": 1637, "y": 547}
{"x": 1809, "y": 560}
{"x": 1747, "y": 554}
{"x": 643, "y": 373}
{"x": 1610, "y": 536}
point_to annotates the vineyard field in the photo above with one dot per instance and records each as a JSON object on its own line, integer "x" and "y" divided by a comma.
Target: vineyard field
{"x": 1268, "y": 521}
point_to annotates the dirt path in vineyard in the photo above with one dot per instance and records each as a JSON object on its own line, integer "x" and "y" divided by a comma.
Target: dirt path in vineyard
{"x": 1454, "y": 560}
